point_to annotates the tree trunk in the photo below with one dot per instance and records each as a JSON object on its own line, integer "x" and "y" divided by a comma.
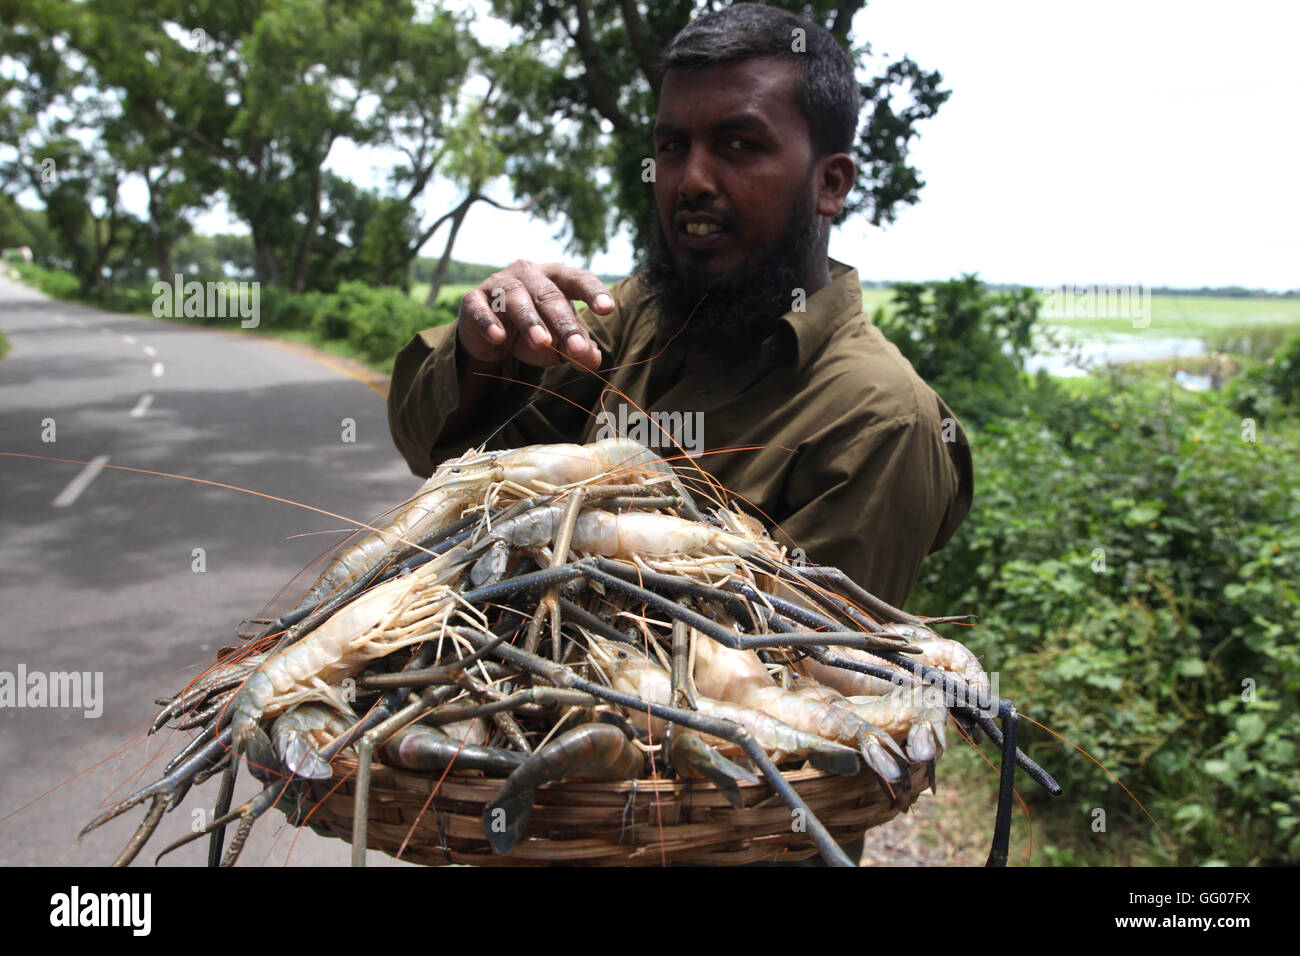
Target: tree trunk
{"x": 308, "y": 237}
{"x": 159, "y": 240}
{"x": 162, "y": 254}
{"x": 267, "y": 263}
{"x": 440, "y": 272}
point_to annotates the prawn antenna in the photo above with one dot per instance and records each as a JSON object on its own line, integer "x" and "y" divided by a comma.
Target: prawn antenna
{"x": 519, "y": 411}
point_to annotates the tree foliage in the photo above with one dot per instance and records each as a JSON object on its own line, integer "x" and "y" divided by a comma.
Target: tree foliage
{"x": 204, "y": 100}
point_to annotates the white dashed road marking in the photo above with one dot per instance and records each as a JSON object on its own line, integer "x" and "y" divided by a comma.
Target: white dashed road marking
{"x": 142, "y": 406}
{"x": 157, "y": 369}
{"x": 129, "y": 339}
{"x": 79, "y": 484}
{"x": 150, "y": 351}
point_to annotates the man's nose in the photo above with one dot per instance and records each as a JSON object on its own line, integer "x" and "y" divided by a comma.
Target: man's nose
{"x": 698, "y": 176}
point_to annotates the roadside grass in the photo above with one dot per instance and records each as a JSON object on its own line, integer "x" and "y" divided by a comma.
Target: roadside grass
{"x": 338, "y": 348}
{"x": 4, "y": 345}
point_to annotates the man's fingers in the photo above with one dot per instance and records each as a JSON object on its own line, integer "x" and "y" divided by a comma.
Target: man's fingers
{"x": 570, "y": 337}
{"x": 476, "y": 312}
{"x": 526, "y": 310}
{"x": 571, "y": 284}
{"x": 581, "y": 285}
{"x": 513, "y": 304}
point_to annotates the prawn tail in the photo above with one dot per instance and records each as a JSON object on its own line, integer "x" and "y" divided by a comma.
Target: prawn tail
{"x": 595, "y": 751}
{"x": 301, "y": 759}
{"x": 925, "y": 741}
{"x": 507, "y": 816}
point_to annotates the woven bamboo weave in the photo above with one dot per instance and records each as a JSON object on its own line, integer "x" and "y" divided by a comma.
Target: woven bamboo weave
{"x": 628, "y": 823}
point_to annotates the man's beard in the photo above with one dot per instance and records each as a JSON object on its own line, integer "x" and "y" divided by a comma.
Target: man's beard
{"x": 739, "y": 308}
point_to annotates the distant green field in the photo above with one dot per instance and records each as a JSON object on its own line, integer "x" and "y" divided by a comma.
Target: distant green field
{"x": 1194, "y": 316}
{"x": 1249, "y": 327}
{"x": 449, "y": 294}
{"x": 1252, "y": 327}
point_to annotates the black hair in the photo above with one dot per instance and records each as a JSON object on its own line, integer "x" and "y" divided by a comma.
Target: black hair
{"x": 829, "y": 97}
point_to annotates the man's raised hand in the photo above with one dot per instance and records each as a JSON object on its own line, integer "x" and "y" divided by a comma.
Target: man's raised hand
{"x": 524, "y": 311}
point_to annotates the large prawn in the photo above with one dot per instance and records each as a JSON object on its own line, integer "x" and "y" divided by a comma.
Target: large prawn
{"x": 454, "y": 486}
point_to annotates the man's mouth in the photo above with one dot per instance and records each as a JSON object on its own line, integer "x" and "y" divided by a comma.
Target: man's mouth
{"x": 701, "y": 232}
{"x": 701, "y": 228}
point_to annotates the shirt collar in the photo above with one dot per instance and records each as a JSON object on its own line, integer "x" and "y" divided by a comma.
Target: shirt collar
{"x": 824, "y": 311}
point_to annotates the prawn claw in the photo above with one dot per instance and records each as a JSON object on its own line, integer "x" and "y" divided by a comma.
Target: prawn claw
{"x": 878, "y": 750}
{"x": 690, "y": 752}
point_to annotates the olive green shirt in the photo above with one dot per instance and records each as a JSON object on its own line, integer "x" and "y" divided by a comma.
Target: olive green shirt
{"x": 823, "y": 429}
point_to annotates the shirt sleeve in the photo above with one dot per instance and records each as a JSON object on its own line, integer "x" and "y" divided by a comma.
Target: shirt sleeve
{"x": 897, "y": 488}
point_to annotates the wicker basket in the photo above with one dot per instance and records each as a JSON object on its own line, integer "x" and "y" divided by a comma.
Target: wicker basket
{"x": 629, "y": 823}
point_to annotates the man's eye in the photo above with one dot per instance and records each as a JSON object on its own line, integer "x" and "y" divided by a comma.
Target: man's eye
{"x": 670, "y": 145}
{"x": 737, "y": 142}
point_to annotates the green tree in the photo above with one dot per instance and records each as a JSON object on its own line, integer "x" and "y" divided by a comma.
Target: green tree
{"x": 259, "y": 94}
{"x": 53, "y": 119}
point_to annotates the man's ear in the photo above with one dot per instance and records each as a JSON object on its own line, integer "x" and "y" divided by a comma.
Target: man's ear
{"x": 834, "y": 178}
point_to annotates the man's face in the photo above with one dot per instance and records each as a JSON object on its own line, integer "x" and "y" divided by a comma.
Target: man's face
{"x": 734, "y": 192}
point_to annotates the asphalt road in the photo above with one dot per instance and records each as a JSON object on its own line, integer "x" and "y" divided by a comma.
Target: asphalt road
{"x": 99, "y": 570}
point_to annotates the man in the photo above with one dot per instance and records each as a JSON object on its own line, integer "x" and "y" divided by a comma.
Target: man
{"x": 740, "y": 327}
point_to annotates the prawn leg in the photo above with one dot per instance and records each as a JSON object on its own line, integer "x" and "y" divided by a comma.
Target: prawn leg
{"x": 171, "y": 787}
{"x": 196, "y": 696}
{"x": 389, "y": 720}
{"x": 1032, "y": 769}
{"x": 1006, "y": 789}
{"x": 549, "y": 604}
{"x": 157, "y": 807}
{"x": 220, "y": 809}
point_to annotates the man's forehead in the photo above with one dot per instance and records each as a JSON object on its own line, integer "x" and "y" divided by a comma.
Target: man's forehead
{"x": 755, "y": 92}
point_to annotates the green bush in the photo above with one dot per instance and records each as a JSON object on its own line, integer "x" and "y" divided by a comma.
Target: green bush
{"x": 374, "y": 322}
{"x": 1135, "y": 566}
{"x": 967, "y": 342}
{"x": 56, "y": 283}
{"x": 1272, "y": 388}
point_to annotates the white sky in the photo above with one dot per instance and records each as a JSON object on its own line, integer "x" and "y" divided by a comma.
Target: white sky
{"x": 1091, "y": 142}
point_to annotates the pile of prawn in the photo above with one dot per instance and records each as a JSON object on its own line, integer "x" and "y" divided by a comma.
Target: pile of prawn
{"x": 567, "y": 612}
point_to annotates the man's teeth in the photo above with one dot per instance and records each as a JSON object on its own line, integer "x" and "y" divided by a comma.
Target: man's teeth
{"x": 702, "y": 228}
